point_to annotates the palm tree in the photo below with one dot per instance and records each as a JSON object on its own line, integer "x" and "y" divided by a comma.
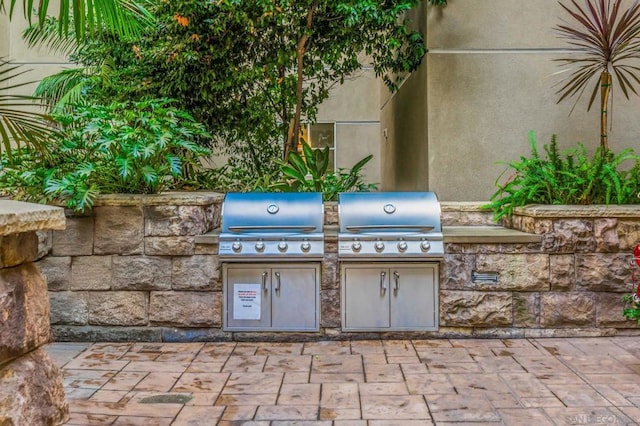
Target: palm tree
{"x": 18, "y": 123}
{"x": 607, "y": 45}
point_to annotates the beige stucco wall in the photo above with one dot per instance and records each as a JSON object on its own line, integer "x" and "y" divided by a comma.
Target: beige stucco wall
{"x": 354, "y": 107}
{"x": 487, "y": 80}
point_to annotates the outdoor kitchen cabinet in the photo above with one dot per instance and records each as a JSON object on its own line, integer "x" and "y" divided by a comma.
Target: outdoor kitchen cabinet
{"x": 389, "y": 296}
{"x": 271, "y": 297}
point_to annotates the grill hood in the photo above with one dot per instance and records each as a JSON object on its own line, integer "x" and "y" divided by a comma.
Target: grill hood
{"x": 272, "y": 213}
{"x": 389, "y": 212}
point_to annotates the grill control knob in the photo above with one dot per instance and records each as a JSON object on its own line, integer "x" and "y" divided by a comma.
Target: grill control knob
{"x": 305, "y": 246}
{"x": 402, "y": 246}
{"x": 236, "y": 246}
{"x": 259, "y": 246}
{"x": 282, "y": 246}
{"x": 356, "y": 246}
{"x": 379, "y": 246}
{"x": 425, "y": 246}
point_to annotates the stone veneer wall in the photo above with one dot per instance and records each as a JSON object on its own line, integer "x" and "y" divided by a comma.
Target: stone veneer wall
{"x": 131, "y": 270}
{"x": 31, "y": 390}
{"x": 144, "y": 268}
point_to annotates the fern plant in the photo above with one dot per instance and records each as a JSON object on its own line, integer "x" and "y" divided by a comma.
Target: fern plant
{"x": 570, "y": 177}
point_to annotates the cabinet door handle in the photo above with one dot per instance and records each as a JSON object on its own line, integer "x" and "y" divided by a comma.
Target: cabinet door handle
{"x": 383, "y": 283}
{"x": 264, "y": 281}
{"x": 396, "y": 280}
{"x": 278, "y": 282}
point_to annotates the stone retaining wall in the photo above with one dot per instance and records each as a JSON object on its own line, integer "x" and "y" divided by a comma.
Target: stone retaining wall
{"x": 145, "y": 268}
{"x": 31, "y": 391}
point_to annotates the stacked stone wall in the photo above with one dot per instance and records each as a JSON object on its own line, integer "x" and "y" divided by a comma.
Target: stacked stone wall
{"x": 145, "y": 268}
{"x": 131, "y": 269}
{"x": 31, "y": 390}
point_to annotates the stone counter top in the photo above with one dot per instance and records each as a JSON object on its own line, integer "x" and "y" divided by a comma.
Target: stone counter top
{"x": 452, "y": 234}
{"x": 487, "y": 234}
{"x": 17, "y": 217}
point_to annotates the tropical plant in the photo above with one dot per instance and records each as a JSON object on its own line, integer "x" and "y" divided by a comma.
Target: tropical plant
{"x": 18, "y": 124}
{"x": 606, "y": 41}
{"x": 308, "y": 173}
{"x": 571, "y": 177}
{"x": 132, "y": 147}
{"x": 90, "y": 17}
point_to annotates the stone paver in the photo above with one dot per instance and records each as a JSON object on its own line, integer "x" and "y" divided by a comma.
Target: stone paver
{"x": 366, "y": 382}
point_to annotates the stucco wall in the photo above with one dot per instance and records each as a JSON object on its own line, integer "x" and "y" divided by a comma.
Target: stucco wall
{"x": 36, "y": 62}
{"x": 489, "y": 81}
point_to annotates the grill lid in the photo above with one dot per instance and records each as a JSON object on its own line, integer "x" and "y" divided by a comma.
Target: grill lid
{"x": 272, "y": 226}
{"x": 389, "y": 212}
{"x": 270, "y": 212}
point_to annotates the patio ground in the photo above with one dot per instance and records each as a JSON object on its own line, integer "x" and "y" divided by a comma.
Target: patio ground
{"x": 572, "y": 381}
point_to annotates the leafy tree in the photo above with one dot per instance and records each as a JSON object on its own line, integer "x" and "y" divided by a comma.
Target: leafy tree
{"x": 606, "y": 41}
{"x": 252, "y": 71}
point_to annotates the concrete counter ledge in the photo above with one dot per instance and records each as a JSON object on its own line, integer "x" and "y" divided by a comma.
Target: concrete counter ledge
{"x": 487, "y": 235}
{"x": 17, "y": 217}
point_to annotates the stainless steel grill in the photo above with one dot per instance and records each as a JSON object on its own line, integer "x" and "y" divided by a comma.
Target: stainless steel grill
{"x": 389, "y": 245}
{"x": 281, "y": 235}
{"x": 272, "y": 226}
{"x": 389, "y": 226}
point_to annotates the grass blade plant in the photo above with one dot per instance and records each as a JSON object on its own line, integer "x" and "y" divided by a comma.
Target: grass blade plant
{"x": 570, "y": 177}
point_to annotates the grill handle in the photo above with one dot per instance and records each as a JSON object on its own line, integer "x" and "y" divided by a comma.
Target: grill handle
{"x": 358, "y": 228}
{"x": 272, "y": 228}
{"x": 264, "y": 281}
{"x": 383, "y": 283}
{"x": 277, "y": 282}
{"x": 396, "y": 280}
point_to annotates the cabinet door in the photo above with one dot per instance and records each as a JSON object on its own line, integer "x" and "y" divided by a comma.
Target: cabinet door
{"x": 413, "y": 297}
{"x": 365, "y": 298}
{"x": 248, "y": 296}
{"x": 294, "y": 298}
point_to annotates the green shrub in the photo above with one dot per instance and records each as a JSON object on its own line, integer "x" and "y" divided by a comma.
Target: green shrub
{"x": 125, "y": 147}
{"x": 570, "y": 177}
{"x": 308, "y": 173}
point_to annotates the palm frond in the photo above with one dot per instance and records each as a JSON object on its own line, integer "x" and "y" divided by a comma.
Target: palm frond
{"x": 62, "y": 89}
{"x": 47, "y": 34}
{"x": 125, "y": 18}
{"x": 19, "y": 124}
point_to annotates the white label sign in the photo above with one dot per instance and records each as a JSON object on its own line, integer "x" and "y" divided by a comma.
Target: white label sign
{"x": 246, "y": 301}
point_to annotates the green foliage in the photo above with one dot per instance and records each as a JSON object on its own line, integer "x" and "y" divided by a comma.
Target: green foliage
{"x": 571, "y": 177}
{"x": 89, "y": 17}
{"x": 233, "y": 66}
{"x": 124, "y": 147}
{"x": 631, "y": 310}
{"x": 18, "y": 125}
{"x": 308, "y": 173}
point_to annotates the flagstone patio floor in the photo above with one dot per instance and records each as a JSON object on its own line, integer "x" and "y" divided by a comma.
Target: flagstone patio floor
{"x": 568, "y": 381}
